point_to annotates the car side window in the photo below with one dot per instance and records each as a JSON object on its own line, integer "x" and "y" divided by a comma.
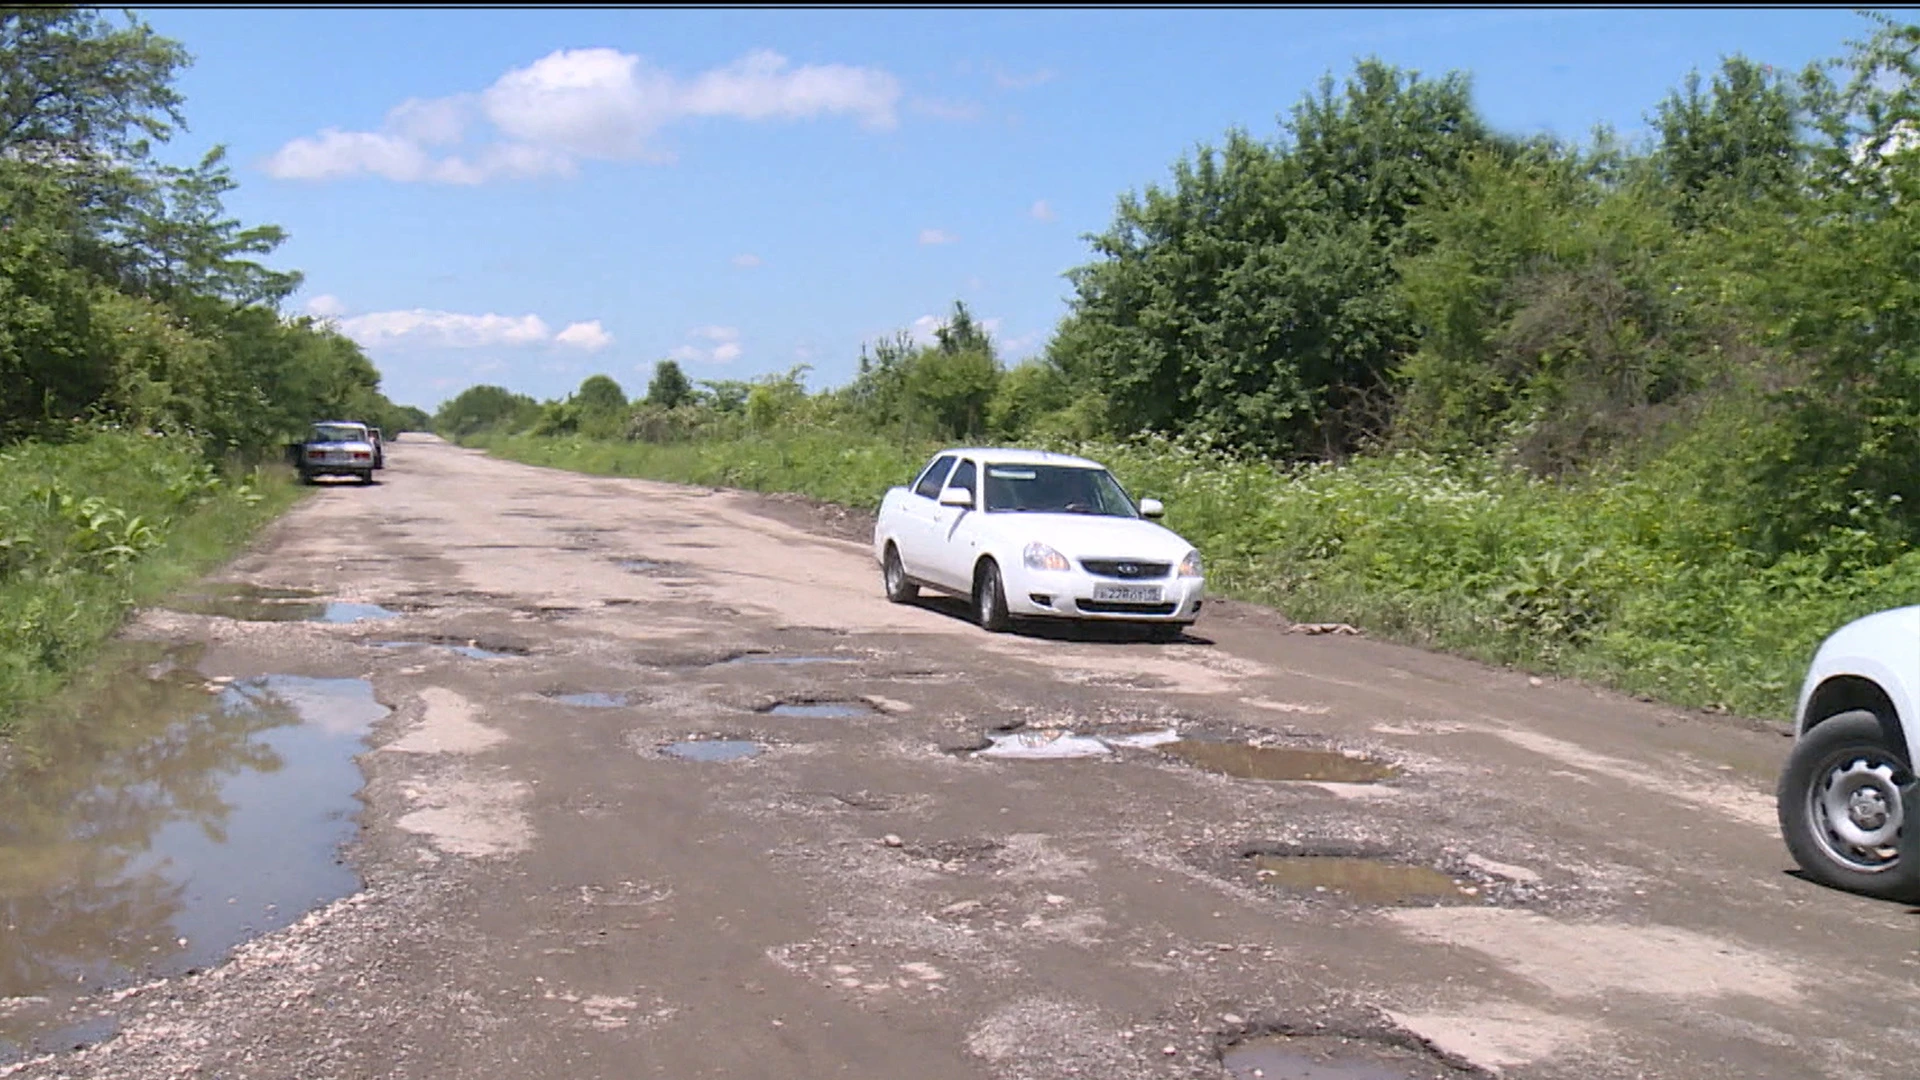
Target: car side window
{"x": 930, "y": 481}
{"x": 965, "y": 476}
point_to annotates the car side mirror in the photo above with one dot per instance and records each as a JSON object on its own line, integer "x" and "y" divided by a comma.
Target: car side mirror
{"x": 1151, "y": 508}
{"x": 959, "y": 498}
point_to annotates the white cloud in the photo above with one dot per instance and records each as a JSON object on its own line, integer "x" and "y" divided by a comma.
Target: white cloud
{"x": 945, "y": 110}
{"x": 454, "y": 330}
{"x": 723, "y": 346}
{"x": 1010, "y": 81}
{"x": 1042, "y": 211}
{"x": 747, "y": 261}
{"x": 589, "y": 336}
{"x": 326, "y": 306}
{"x": 937, "y": 236}
{"x": 582, "y": 104}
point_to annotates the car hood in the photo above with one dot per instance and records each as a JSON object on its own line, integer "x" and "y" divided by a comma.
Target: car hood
{"x": 1088, "y": 536}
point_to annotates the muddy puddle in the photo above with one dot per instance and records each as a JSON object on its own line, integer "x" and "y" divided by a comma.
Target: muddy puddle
{"x": 258, "y": 603}
{"x": 154, "y": 825}
{"x": 1365, "y": 880}
{"x": 1246, "y": 762}
{"x": 713, "y": 749}
{"x": 822, "y": 710}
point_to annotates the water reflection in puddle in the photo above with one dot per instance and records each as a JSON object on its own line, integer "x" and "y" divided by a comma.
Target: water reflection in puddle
{"x": 1301, "y": 1059}
{"x": 713, "y": 749}
{"x": 471, "y": 652}
{"x": 1042, "y": 745}
{"x": 160, "y": 825}
{"x": 1277, "y": 763}
{"x": 822, "y": 710}
{"x": 257, "y": 603}
{"x": 1369, "y": 881}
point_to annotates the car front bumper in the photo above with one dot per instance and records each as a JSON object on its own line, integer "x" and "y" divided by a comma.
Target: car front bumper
{"x": 1074, "y": 594}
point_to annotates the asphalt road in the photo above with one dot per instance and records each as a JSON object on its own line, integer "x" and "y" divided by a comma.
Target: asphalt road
{"x": 550, "y": 895}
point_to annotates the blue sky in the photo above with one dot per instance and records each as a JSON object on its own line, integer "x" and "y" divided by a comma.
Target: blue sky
{"x": 528, "y": 197}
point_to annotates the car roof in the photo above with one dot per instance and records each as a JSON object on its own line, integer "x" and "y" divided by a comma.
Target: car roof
{"x": 1004, "y": 455}
{"x": 338, "y": 423}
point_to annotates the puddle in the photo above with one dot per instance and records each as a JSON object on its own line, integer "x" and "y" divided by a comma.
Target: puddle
{"x": 155, "y": 826}
{"x": 1369, "y": 881}
{"x": 471, "y": 652}
{"x": 346, "y": 613}
{"x": 1043, "y": 745}
{"x": 822, "y": 710}
{"x": 1143, "y": 739}
{"x": 1325, "y": 1058}
{"x": 713, "y": 749}
{"x": 1277, "y": 763}
{"x": 593, "y": 700}
{"x": 256, "y": 603}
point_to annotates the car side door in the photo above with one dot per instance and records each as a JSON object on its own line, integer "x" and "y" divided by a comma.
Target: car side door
{"x": 916, "y": 537}
{"x": 954, "y": 530}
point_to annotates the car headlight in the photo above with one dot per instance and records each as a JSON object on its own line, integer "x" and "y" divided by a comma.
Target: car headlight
{"x": 1190, "y": 566}
{"x": 1041, "y": 557}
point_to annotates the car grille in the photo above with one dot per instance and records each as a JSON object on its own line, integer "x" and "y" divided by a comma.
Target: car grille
{"x": 1106, "y": 607}
{"x": 1126, "y": 569}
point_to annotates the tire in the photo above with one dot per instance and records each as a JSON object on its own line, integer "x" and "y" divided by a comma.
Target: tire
{"x": 306, "y": 478}
{"x": 990, "y": 599}
{"x": 367, "y": 477}
{"x": 1849, "y": 764}
{"x": 900, "y": 588}
{"x": 1165, "y": 633}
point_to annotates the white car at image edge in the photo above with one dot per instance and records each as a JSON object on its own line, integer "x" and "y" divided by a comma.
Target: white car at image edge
{"x": 1849, "y": 782}
{"x": 1029, "y": 534}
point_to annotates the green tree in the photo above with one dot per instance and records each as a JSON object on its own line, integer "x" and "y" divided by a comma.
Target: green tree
{"x": 669, "y": 387}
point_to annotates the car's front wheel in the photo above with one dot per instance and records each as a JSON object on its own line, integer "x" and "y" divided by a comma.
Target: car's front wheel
{"x": 900, "y": 589}
{"x": 1843, "y": 800}
{"x": 990, "y": 599}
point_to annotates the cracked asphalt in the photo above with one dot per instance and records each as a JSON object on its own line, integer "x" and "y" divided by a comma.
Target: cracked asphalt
{"x": 547, "y": 892}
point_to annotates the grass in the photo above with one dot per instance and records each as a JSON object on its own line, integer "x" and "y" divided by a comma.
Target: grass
{"x": 1632, "y": 582}
{"x": 96, "y": 526}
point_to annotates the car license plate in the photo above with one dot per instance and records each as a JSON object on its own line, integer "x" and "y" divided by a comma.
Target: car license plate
{"x": 1128, "y": 594}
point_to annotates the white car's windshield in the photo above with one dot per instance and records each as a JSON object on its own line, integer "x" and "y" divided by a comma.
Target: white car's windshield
{"x": 338, "y": 433}
{"x": 1056, "y": 489}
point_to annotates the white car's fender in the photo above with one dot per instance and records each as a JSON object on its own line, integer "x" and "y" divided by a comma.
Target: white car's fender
{"x": 1872, "y": 663}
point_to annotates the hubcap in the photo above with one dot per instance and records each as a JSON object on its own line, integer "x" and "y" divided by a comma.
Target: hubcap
{"x": 1858, "y": 813}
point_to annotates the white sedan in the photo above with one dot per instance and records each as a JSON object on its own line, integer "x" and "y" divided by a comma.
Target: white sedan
{"x": 1849, "y": 784}
{"x": 1026, "y": 534}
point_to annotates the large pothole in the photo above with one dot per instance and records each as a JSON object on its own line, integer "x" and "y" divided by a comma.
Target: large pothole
{"x": 162, "y": 821}
{"x": 1246, "y": 761}
{"x": 1331, "y": 1057}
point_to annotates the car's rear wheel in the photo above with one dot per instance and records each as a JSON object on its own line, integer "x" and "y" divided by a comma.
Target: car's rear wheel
{"x": 1843, "y": 800}
{"x": 900, "y": 589}
{"x": 990, "y": 599}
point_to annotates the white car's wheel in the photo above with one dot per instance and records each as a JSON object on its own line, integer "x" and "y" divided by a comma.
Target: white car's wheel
{"x": 990, "y": 599}
{"x": 1844, "y": 802}
{"x": 900, "y": 589}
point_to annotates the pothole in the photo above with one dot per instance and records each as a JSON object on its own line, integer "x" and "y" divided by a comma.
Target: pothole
{"x": 1330, "y": 1057}
{"x": 469, "y": 648}
{"x": 593, "y": 700}
{"x": 1016, "y": 742}
{"x": 774, "y": 659}
{"x": 1248, "y": 762}
{"x": 712, "y": 749}
{"x": 155, "y": 825}
{"x": 242, "y": 602}
{"x": 822, "y": 710}
{"x": 347, "y": 613}
{"x": 1367, "y": 877}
